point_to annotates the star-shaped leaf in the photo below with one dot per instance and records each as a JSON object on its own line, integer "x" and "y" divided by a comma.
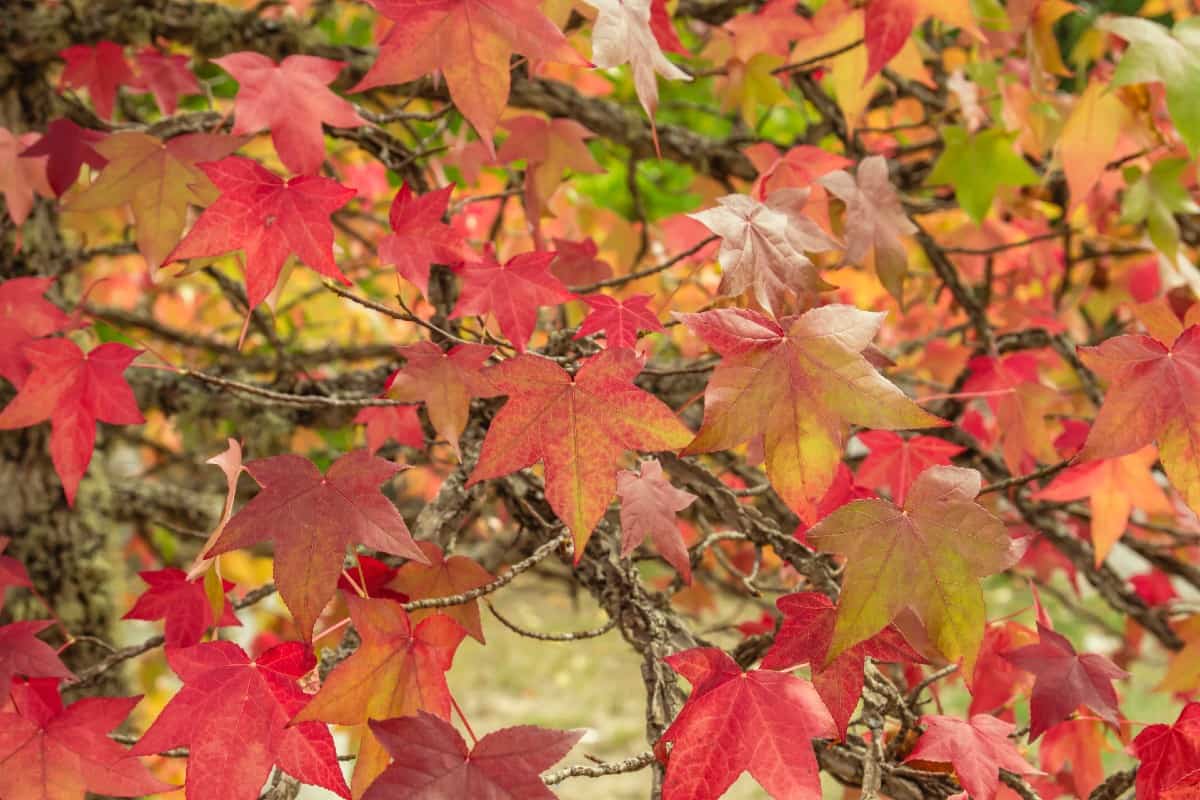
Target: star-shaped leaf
{"x": 269, "y": 219}
{"x": 12, "y": 573}
{"x": 575, "y": 263}
{"x": 311, "y": 518}
{"x": 622, "y": 34}
{"x": 1147, "y": 401}
{"x": 183, "y": 605}
{"x": 399, "y": 669}
{"x": 100, "y": 69}
{"x": 888, "y": 24}
{"x": 51, "y": 753}
{"x": 1073, "y": 751}
{"x": 67, "y": 147}
{"x": 445, "y": 382}
{"x": 22, "y": 653}
{"x": 977, "y": 749}
{"x": 804, "y": 638}
{"x": 548, "y": 147}
{"x": 443, "y": 577}
{"x": 401, "y": 424}
{"x": 74, "y": 390}
{"x": 975, "y": 188}
{"x": 763, "y": 246}
{"x": 1004, "y": 681}
{"x": 927, "y": 557}
{"x": 25, "y": 315}
{"x": 761, "y": 722}
{"x": 1167, "y": 752}
{"x": 21, "y": 178}
{"x": 373, "y": 577}
{"x": 1112, "y": 487}
{"x": 419, "y": 238}
{"x": 430, "y": 760}
{"x": 1089, "y": 137}
{"x": 166, "y": 76}
{"x": 649, "y": 504}
{"x": 1066, "y": 680}
{"x": 292, "y": 99}
{"x": 579, "y": 427}
{"x": 800, "y": 388}
{"x": 512, "y": 291}
{"x": 895, "y": 462}
{"x": 1172, "y": 57}
{"x": 233, "y": 715}
{"x": 1020, "y": 403}
{"x": 470, "y": 42}
{"x": 619, "y": 320}
{"x": 157, "y": 180}
{"x": 875, "y": 220}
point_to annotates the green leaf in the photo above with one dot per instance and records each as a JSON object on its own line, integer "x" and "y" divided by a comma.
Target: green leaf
{"x": 1171, "y": 57}
{"x": 1155, "y": 199}
{"x": 976, "y": 166}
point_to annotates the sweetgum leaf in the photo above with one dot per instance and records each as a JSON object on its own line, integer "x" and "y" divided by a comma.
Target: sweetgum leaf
{"x": 926, "y": 557}
{"x": 761, "y": 722}
{"x": 800, "y": 388}
{"x": 578, "y": 426}
{"x": 399, "y": 669}
{"x": 430, "y": 761}
{"x": 311, "y": 518}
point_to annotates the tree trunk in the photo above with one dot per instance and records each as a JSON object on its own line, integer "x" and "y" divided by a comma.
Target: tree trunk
{"x": 72, "y": 555}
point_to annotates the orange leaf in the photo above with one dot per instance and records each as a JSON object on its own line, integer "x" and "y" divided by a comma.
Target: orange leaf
{"x": 579, "y": 427}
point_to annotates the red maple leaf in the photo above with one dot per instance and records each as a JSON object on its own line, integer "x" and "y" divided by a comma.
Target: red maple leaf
{"x": 445, "y": 382}
{"x": 51, "y": 753}
{"x": 399, "y": 669}
{"x": 100, "y": 70}
{"x": 1149, "y": 383}
{"x": 292, "y": 99}
{"x": 620, "y": 321}
{"x": 430, "y": 761}
{"x": 978, "y": 749}
{"x": 443, "y": 577}
{"x": 401, "y": 424}
{"x": 578, "y": 426}
{"x": 663, "y": 30}
{"x": 1167, "y": 752}
{"x": 371, "y": 576}
{"x": 895, "y": 462}
{"x": 182, "y": 603}
{"x": 67, "y": 147}
{"x": 269, "y": 219}
{"x": 512, "y": 291}
{"x": 1072, "y": 751}
{"x": 12, "y": 573}
{"x": 419, "y": 238}
{"x": 648, "y": 506}
{"x": 21, "y": 178}
{"x": 1004, "y": 680}
{"x": 760, "y": 721}
{"x": 575, "y": 263}
{"x": 166, "y": 76}
{"x": 233, "y": 715}
{"x": 25, "y": 315}
{"x": 804, "y": 638}
{"x": 22, "y": 653}
{"x": 312, "y": 518}
{"x": 1066, "y": 680}
{"x": 1020, "y": 402}
{"x": 470, "y": 42}
{"x": 1154, "y": 587}
{"x": 74, "y": 390}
